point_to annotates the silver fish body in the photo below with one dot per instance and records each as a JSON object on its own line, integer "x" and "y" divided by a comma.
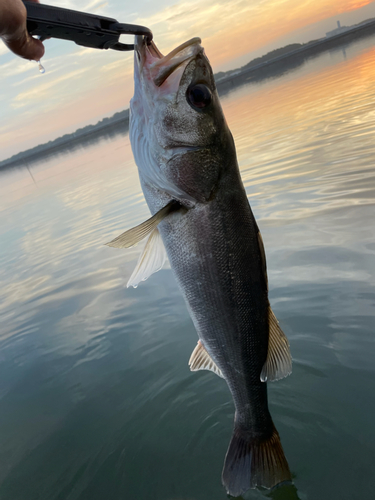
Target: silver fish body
{"x": 186, "y": 155}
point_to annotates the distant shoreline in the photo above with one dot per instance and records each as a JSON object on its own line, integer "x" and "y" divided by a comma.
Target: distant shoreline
{"x": 119, "y": 122}
{"x": 307, "y": 50}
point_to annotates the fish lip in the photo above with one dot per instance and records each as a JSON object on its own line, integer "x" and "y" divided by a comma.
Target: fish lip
{"x": 144, "y": 52}
{"x": 160, "y": 67}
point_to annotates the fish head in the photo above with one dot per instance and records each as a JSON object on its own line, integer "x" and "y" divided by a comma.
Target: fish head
{"x": 178, "y": 132}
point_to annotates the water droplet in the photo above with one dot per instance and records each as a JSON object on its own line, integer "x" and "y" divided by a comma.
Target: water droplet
{"x": 40, "y": 66}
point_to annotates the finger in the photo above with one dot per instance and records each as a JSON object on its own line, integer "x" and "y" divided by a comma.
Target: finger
{"x": 14, "y": 33}
{"x": 25, "y": 46}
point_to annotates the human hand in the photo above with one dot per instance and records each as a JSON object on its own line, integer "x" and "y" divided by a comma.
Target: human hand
{"x": 13, "y": 30}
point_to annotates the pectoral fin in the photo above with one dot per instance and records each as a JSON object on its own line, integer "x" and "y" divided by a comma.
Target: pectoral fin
{"x": 201, "y": 360}
{"x": 279, "y": 361}
{"x": 138, "y": 233}
{"x": 150, "y": 261}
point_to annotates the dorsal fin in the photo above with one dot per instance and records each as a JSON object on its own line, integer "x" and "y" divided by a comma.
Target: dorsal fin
{"x": 279, "y": 361}
{"x": 201, "y": 360}
{"x": 138, "y": 233}
{"x": 150, "y": 261}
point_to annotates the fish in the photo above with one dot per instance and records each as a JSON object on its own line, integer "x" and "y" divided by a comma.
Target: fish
{"x": 203, "y": 223}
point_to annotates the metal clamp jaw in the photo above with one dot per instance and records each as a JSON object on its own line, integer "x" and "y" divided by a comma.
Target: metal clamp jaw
{"x": 84, "y": 29}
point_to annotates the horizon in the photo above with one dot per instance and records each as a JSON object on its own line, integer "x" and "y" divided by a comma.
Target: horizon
{"x": 55, "y": 107}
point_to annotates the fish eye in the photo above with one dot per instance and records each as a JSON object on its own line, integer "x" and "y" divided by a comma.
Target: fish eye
{"x": 199, "y": 96}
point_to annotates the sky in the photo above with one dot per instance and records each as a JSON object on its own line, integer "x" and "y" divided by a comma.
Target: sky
{"x": 82, "y": 86}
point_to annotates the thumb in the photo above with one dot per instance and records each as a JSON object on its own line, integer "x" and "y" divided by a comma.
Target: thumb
{"x": 14, "y": 33}
{"x": 25, "y": 45}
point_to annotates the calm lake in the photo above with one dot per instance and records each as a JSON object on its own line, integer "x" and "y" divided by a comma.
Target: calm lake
{"x": 96, "y": 398}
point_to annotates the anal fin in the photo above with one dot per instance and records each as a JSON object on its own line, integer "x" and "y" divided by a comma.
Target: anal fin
{"x": 279, "y": 361}
{"x": 201, "y": 360}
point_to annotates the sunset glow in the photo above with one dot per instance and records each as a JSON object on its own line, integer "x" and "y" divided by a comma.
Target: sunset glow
{"x": 82, "y": 85}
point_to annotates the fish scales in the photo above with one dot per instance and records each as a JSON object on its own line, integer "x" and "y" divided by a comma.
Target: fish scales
{"x": 190, "y": 178}
{"x": 226, "y": 294}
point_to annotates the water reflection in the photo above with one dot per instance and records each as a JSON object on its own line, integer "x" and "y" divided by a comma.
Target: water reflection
{"x": 285, "y": 492}
{"x": 120, "y": 128}
{"x": 335, "y": 52}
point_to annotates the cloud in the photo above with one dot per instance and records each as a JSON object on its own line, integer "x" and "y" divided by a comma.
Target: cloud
{"x": 42, "y": 92}
{"x": 232, "y": 29}
{"x": 3, "y": 49}
{"x": 17, "y": 66}
{"x": 88, "y": 80}
{"x": 37, "y": 78}
{"x": 126, "y": 69}
{"x": 95, "y": 5}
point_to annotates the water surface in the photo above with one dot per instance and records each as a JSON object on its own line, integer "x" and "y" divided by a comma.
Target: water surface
{"x": 96, "y": 398}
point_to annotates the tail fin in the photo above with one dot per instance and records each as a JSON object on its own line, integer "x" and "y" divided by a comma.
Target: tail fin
{"x": 253, "y": 462}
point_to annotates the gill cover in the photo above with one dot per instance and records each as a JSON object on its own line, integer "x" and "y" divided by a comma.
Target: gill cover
{"x": 177, "y": 128}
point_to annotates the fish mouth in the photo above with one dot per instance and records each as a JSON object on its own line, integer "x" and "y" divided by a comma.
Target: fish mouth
{"x": 158, "y": 67}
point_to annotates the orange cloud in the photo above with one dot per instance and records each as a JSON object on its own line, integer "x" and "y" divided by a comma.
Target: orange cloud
{"x": 86, "y": 85}
{"x": 273, "y": 20}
